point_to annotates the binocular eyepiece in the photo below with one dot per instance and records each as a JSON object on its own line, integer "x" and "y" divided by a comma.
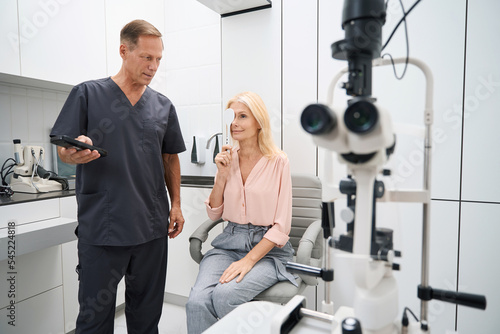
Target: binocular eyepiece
{"x": 360, "y": 117}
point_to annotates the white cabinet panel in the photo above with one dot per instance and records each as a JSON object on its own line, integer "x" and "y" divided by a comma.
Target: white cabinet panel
{"x": 299, "y": 81}
{"x": 70, "y": 284}
{"x": 251, "y": 59}
{"x": 479, "y": 270}
{"x": 63, "y": 41}
{"x": 41, "y": 314}
{"x": 68, "y": 207}
{"x": 9, "y": 44}
{"x": 44, "y": 265}
{"x": 182, "y": 269}
{"x": 482, "y": 97}
{"x": 29, "y": 212}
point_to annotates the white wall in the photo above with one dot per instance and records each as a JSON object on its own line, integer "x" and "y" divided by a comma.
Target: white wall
{"x": 193, "y": 76}
{"x": 28, "y": 113}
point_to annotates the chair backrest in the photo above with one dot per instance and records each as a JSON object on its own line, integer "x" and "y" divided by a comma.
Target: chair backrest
{"x": 306, "y": 208}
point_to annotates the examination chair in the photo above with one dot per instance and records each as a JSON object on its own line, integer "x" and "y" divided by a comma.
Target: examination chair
{"x": 305, "y": 237}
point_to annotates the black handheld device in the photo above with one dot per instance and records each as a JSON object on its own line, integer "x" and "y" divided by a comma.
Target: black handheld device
{"x": 68, "y": 142}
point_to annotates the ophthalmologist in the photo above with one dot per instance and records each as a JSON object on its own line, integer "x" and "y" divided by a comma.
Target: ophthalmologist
{"x": 123, "y": 205}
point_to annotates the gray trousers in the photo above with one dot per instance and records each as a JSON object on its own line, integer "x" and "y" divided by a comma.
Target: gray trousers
{"x": 210, "y": 300}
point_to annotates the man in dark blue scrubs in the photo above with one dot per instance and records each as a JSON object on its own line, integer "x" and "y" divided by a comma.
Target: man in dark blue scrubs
{"x": 123, "y": 206}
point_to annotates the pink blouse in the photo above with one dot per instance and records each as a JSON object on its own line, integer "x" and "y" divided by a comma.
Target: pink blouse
{"x": 264, "y": 200}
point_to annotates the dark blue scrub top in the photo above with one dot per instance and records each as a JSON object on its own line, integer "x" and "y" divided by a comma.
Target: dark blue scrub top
{"x": 122, "y": 198}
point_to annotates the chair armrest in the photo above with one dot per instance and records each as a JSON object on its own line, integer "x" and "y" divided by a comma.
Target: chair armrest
{"x": 199, "y": 237}
{"x": 304, "y": 251}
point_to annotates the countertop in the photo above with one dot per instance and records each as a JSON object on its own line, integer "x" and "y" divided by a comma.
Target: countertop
{"x": 18, "y": 197}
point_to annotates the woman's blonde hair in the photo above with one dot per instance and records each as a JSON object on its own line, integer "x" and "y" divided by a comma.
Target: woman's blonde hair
{"x": 259, "y": 111}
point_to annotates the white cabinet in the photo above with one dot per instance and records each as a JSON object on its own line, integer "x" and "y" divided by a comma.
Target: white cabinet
{"x": 29, "y": 212}
{"x": 36, "y": 289}
{"x": 70, "y": 284}
{"x": 42, "y": 280}
{"x": 9, "y": 44}
{"x": 62, "y": 41}
{"x": 45, "y": 265}
{"x": 68, "y": 209}
{"x": 181, "y": 269}
{"x": 41, "y": 314}
{"x": 70, "y": 41}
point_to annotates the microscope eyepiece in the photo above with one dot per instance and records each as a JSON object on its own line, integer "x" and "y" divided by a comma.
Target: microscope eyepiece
{"x": 361, "y": 117}
{"x": 318, "y": 119}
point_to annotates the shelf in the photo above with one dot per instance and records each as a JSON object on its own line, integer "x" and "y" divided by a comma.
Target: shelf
{"x": 231, "y": 7}
{"x": 39, "y": 235}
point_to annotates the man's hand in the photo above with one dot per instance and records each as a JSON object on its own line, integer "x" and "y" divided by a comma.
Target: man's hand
{"x": 176, "y": 222}
{"x": 74, "y": 156}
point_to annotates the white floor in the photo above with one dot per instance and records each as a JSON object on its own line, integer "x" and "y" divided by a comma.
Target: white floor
{"x": 173, "y": 320}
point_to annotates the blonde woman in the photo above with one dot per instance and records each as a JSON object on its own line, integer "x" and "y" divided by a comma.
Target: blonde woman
{"x": 253, "y": 192}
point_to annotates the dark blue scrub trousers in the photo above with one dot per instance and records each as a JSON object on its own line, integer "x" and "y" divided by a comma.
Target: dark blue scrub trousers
{"x": 100, "y": 270}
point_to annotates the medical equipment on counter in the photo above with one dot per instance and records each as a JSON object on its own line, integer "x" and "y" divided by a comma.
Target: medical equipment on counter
{"x": 363, "y": 138}
{"x": 29, "y": 176}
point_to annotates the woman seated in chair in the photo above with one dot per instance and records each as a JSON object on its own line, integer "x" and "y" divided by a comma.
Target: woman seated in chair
{"x": 253, "y": 193}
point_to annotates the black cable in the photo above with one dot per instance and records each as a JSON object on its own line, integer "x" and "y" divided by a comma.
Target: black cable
{"x": 404, "y": 321}
{"x": 9, "y": 170}
{"x": 400, "y": 21}
{"x": 411, "y": 312}
{"x": 407, "y": 46}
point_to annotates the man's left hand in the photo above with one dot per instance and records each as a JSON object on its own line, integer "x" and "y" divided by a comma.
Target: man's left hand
{"x": 176, "y": 222}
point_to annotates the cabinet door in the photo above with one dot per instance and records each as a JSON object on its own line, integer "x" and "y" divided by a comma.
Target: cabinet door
{"x": 9, "y": 44}
{"x": 62, "y": 41}
{"x": 42, "y": 313}
{"x": 34, "y": 274}
{"x": 70, "y": 284}
{"x": 182, "y": 269}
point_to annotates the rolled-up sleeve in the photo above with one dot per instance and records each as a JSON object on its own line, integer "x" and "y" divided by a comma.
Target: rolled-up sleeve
{"x": 214, "y": 213}
{"x": 282, "y": 222}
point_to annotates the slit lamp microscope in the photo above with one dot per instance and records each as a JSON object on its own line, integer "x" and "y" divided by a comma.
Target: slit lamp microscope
{"x": 29, "y": 175}
{"x": 363, "y": 139}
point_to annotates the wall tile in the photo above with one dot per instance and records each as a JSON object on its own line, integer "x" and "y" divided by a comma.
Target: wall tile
{"x": 479, "y": 274}
{"x": 19, "y": 113}
{"x": 5, "y": 118}
{"x": 35, "y": 121}
{"x": 480, "y": 177}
